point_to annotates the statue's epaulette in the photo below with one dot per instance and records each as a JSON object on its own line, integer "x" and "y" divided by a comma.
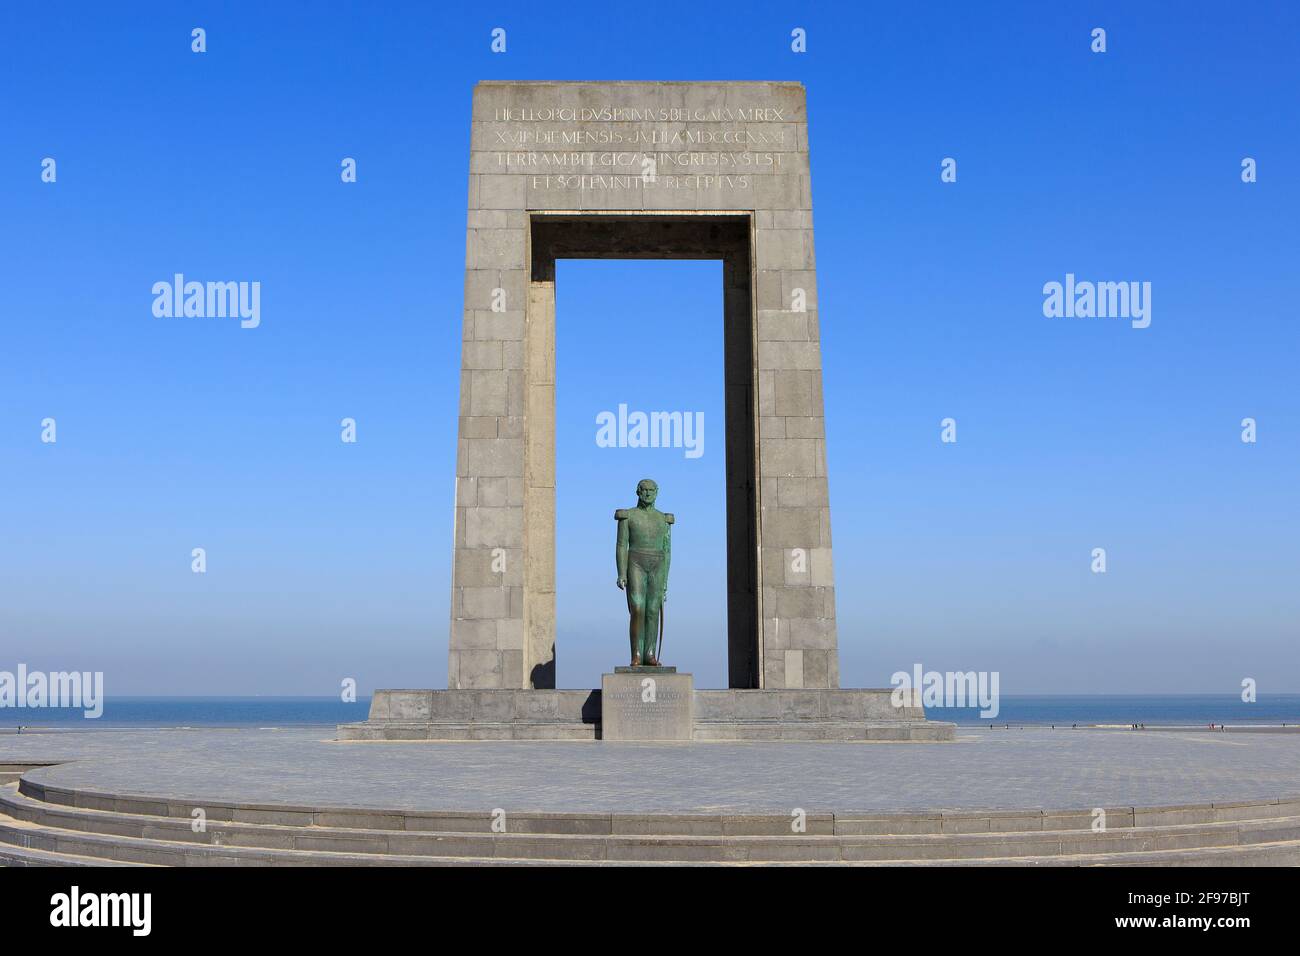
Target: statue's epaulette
{"x": 669, "y": 518}
{"x": 621, "y": 513}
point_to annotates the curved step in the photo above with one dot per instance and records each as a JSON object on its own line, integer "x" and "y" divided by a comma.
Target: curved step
{"x": 1285, "y": 853}
{"x": 661, "y": 824}
{"x": 101, "y": 851}
{"x": 55, "y": 843}
{"x": 770, "y": 847}
{"x": 18, "y": 856}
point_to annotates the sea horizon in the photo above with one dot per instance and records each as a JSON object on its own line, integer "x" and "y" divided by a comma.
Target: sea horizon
{"x": 252, "y": 711}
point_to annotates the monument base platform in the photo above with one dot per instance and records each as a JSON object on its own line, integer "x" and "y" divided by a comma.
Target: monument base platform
{"x": 717, "y": 715}
{"x": 275, "y": 797}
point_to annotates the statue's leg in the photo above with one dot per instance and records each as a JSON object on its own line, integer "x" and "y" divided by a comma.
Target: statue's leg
{"x": 650, "y": 636}
{"x": 653, "y": 602}
{"x": 636, "y": 591}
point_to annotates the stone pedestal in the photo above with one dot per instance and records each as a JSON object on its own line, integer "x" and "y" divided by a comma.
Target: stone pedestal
{"x": 638, "y": 705}
{"x": 862, "y": 715}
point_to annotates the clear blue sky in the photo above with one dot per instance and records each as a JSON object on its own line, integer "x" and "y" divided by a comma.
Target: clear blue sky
{"x": 328, "y": 560}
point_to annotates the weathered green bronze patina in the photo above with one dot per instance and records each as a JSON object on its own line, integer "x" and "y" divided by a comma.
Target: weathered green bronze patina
{"x": 643, "y": 553}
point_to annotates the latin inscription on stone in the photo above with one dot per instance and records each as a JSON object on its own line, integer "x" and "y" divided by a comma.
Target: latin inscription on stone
{"x": 640, "y": 148}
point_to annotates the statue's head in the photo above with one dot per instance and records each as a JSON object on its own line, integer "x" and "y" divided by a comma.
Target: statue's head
{"x": 647, "y": 491}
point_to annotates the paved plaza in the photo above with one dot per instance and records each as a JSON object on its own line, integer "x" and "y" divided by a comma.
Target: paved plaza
{"x": 983, "y": 769}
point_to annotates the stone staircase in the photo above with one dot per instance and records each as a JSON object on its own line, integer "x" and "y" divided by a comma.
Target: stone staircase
{"x": 41, "y": 825}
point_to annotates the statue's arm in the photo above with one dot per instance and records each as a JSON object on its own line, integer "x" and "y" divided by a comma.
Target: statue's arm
{"x": 620, "y": 547}
{"x": 668, "y": 552}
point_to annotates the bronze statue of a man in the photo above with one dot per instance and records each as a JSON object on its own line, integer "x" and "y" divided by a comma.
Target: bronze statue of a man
{"x": 643, "y": 553}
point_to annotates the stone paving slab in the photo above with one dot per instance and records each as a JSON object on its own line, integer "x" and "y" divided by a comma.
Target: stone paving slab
{"x": 1030, "y": 769}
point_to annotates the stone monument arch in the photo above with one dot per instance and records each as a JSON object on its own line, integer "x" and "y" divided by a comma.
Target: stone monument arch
{"x": 641, "y": 170}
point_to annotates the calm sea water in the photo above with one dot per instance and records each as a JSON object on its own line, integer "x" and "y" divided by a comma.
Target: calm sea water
{"x": 1156, "y": 709}
{"x": 1189, "y": 709}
